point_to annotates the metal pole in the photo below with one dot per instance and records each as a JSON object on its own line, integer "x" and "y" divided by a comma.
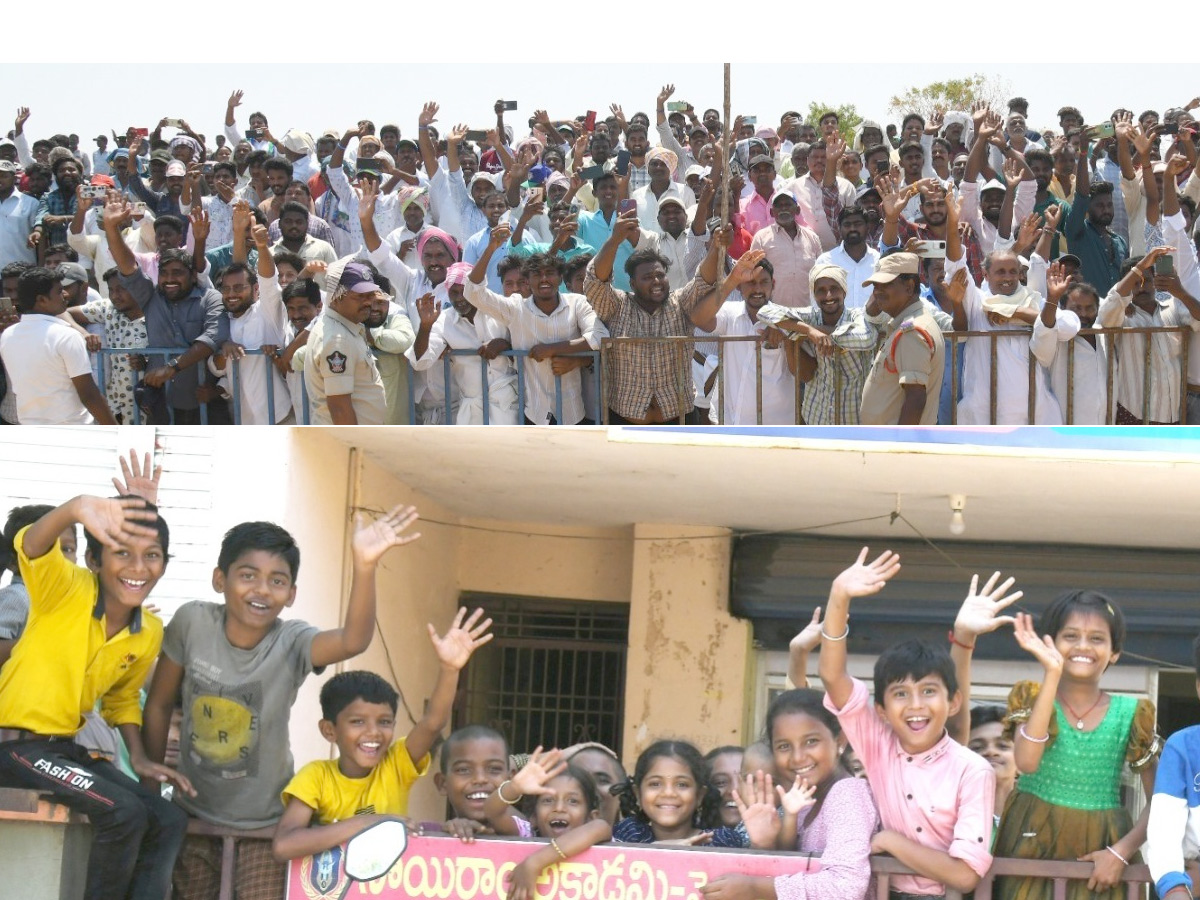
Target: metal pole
{"x": 728, "y": 142}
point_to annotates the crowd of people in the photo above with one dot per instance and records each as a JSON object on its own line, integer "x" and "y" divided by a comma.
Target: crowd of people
{"x": 658, "y": 267}
{"x": 906, "y": 767}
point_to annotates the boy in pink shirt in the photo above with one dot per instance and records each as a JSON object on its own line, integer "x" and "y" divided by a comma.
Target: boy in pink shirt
{"x": 935, "y": 796}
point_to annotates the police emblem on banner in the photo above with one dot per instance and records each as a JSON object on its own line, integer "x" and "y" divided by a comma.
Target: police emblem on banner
{"x": 323, "y": 876}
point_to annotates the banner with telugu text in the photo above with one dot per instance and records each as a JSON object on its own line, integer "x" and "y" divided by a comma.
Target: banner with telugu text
{"x": 447, "y": 869}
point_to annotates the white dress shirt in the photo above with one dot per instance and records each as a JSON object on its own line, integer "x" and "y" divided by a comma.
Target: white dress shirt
{"x": 741, "y": 373}
{"x": 458, "y": 333}
{"x": 1052, "y": 347}
{"x": 265, "y": 322}
{"x": 856, "y": 272}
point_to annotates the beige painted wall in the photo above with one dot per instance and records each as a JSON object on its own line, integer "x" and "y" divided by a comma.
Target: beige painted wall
{"x": 688, "y": 668}
{"x": 688, "y": 659}
{"x": 581, "y": 564}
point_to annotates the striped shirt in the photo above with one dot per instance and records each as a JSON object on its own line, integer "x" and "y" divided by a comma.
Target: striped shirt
{"x": 640, "y": 374}
{"x": 529, "y": 326}
{"x": 834, "y": 395}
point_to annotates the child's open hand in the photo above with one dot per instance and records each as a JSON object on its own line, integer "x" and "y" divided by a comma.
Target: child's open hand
{"x": 540, "y": 769}
{"x": 759, "y": 815}
{"x": 140, "y": 480}
{"x": 116, "y": 522}
{"x": 372, "y": 541}
{"x": 1041, "y": 648}
{"x": 977, "y": 615}
{"x": 798, "y": 798}
{"x": 864, "y": 579}
{"x": 462, "y": 639}
{"x": 810, "y": 637}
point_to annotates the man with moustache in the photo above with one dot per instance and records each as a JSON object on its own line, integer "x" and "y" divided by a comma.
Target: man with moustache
{"x": 791, "y": 249}
{"x": 1052, "y": 342}
{"x": 390, "y": 335}
{"x": 56, "y": 208}
{"x": 738, "y": 317}
{"x": 982, "y": 206}
{"x": 1101, "y": 250}
{"x": 853, "y": 255}
{"x": 178, "y": 311}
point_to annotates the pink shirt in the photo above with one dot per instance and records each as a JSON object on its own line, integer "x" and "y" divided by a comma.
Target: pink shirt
{"x": 943, "y": 798}
{"x": 793, "y": 259}
{"x": 840, "y": 833}
{"x": 756, "y": 213}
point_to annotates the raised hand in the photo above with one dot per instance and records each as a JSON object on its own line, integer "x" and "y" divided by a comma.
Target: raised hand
{"x": 835, "y": 149}
{"x": 371, "y": 541}
{"x": 809, "y": 637}
{"x": 978, "y": 613}
{"x": 22, "y": 118}
{"x": 499, "y": 235}
{"x": 462, "y": 638}
{"x": 201, "y": 224}
{"x": 866, "y": 578}
{"x": 1057, "y": 283}
{"x": 797, "y": 798}
{"x": 1053, "y": 214}
{"x": 428, "y": 114}
{"x": 956, "y": 287}
{"x": 979, "y": 111}
{"x": 537, "y": 773}
{"x": 235, "y": 100}
{"x": 743, "y": 271}
{"x": 427, "y": 309}
{"x": 1040, "y": 648}
{"x": 139, "y": 479}
{"x": 665, "y": 94}
{"x": 116, "y": 522}
{"x": 758, "y": 815}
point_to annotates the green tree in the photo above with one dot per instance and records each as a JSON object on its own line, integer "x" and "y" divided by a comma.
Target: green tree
{"x": 955, "y": 93}
{"x": 848, "y": 117}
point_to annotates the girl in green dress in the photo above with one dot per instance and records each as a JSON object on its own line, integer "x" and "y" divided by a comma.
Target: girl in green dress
{"x": 1071, "y": 741}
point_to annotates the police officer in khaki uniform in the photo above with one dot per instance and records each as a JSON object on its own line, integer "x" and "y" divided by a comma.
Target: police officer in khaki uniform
{"x": 343, "y": 382}
{"x": 905, "y": 381}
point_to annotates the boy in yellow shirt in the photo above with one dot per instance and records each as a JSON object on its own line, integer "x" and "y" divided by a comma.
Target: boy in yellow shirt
{"x": 87, "y": 639}
{"x": 330, "y": 801}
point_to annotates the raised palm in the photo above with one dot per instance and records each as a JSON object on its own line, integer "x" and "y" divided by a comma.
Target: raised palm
{"x": 140, "y": 479}
{"x": 798, "y": 798}
{"x": 462, "y": 639}
{"x": 372, "y": 541}
{"x": 978, "y": 613}
{"x": 536, "y": 773}
{"x": 864, "y": 579}
{"x": 117, "y": 522}
{"x": 1040, "y": 648}
{"x": 759, "y": 815}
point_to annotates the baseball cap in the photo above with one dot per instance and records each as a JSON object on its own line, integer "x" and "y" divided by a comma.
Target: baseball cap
{"x": 350, "y": 274}
{"x": 103, "y": 180}
{"x": 1064, "y": 257}
{"x": 761, "y": 158}
{"x": 867, "y": 189}
{"x": 696, "y": 170}
{"x": 890, "y": 267}
{"x": 665, "y": 200}
{"x": 993, "y": 185}
{"x": 71, "y": 272}
{"x": 782, "y": 192}
{"x": 405, "y": 142}
{"x": 6, "y": 166}
{"x": 161, "y": 156}
{"x": 176, "y": 169}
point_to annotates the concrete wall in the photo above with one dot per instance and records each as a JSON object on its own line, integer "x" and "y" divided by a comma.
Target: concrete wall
{"x": 689, "y": 660}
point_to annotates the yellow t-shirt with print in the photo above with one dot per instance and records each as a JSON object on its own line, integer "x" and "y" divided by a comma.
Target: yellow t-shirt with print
{"x": 64, "y": 661}
{"x": 336, "y": 797}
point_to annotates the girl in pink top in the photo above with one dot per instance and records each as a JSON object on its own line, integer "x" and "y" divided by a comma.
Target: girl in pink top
{"x": 827, "y": 812}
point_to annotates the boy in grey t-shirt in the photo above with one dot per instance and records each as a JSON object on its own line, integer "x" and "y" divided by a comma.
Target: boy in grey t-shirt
{"x": 239, "y": 668}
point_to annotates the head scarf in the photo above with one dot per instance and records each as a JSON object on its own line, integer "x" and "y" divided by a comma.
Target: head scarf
{"x": 667, "y": 156}
{"x": 558, "y": 178}
{"x": 457, "y": 274}
{"x": 857, "y": 142}
{"x": 417, "y": 195}
{"x": 436, "y": 234}
{"x": 834, "y": 273}
{"x": 959, "y": 118}
{"x": 182, "y": 140}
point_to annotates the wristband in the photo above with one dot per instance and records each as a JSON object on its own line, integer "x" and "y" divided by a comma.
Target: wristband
{"x": 958, "y": 643}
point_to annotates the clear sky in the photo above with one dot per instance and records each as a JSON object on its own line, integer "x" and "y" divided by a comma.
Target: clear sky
{"x": 336, "y": 95}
